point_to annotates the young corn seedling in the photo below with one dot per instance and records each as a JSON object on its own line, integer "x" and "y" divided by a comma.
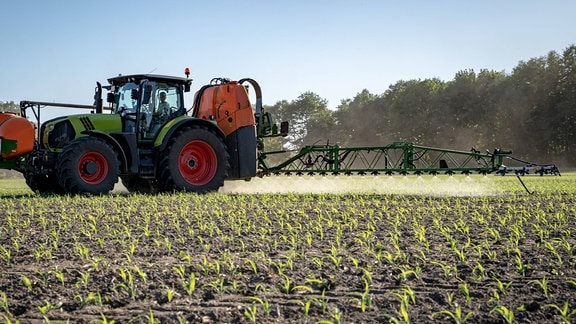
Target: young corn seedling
{"x": 127, "y": 283}
{"x": 336, "y": 315}
{"x": 180, "y": 270}
{"x": 288, "y": 287}
{"x": 252, "y": 265}
{"x": 140, "y": 273}
{"x": 48, "y": 307}
{"x": 449, "y": 270}
{"x": 6, "y": 253}
{"x": 554, "y": 252}
{"x": 499, "y": 285}
{"x": 306, "y": 307}
{"x": 95, "y": 298}
{"x": 190, "y": 285}
{"x": 4, "y": 304}
{"x": 479, "y": 271}
{"x": 82, "y": 251}
{"x": 505, "y": 313}
{"x": 543, "y": 283}
{"x": 150, "y": 317}
{"x": 466, "y": 291}
{"x": 83, "y": 279}
{"x": 250, "y": 312}
{"x": 27, "y": 282}
{"x": 408, "y": 292}
{"x": 564, "y": 311}
{"x": 364, "y": 300}
{"x": 217, "y": 284}
{"x": 335, "y": 258}
{"x": 170, "y": 294}
{"x": 266, "y": 306}
{"x": 403, "y": 314}
{"x": 521, "y": 267}
{"x": 457, "y": 315}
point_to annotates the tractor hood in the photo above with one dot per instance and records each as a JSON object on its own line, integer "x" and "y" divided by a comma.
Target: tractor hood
{"x": 58, "y": 132}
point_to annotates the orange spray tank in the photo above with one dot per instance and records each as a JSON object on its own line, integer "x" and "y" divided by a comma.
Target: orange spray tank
{"x": 16, "y": 135}
{"x": 227, "y": 104}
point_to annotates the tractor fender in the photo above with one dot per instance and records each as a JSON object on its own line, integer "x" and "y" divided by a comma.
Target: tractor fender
{"x": 176, "y": 124}
{"x": 115, "y": 144}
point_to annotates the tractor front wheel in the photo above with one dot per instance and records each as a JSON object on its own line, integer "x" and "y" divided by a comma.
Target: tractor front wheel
{"x": 88, "y": 165}
{"x": 196, "y": 160}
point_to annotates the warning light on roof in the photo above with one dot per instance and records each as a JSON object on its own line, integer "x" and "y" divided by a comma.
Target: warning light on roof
{"x": 187, "y": 72}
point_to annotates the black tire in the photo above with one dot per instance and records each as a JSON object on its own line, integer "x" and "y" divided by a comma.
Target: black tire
{"x": 88, "y": 165}
{"x": 139, "y": 185}
{"x": 196, "y": 160}
{"x": 43, "y": 183}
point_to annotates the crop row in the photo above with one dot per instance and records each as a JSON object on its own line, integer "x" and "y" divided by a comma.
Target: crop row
{"x": 302, "y": 257}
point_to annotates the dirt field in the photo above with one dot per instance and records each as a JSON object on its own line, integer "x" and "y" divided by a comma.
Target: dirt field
{"x": 241, "y": 258}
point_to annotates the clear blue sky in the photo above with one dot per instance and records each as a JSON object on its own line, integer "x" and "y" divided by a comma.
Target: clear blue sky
{"x": 56, "y": 50}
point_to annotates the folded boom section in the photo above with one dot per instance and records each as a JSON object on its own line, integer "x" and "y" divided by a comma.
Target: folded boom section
{"x": 396, "y": 158}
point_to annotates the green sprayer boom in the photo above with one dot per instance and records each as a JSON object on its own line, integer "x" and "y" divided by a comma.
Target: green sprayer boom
{"x": 397, "y": 158}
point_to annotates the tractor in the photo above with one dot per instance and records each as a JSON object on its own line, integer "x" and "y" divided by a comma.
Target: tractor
{"x": 148, "y": 139}
{"x": 145, "y": 137}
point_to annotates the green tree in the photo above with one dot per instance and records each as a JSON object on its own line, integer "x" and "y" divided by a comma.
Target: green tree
{"x": 308, "y": 116}
{"x": 414, "y": 110}
{"x": 9, "y": 106}
{"x": 356, "y": 120}
{"x": 563, "y": 108}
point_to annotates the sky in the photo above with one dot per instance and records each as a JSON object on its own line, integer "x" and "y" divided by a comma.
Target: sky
{"x": 56, "y": 50}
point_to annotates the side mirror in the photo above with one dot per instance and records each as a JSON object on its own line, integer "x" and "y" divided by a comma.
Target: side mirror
{"x": 110, "y": 97}
{"x": 284, "y": 128}
{"x": 265, "y": 125}
{"x": 187, "y": 86}
{"x": 134, "y": 94}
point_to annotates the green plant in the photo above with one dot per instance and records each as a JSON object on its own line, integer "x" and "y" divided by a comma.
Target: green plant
{"x": 190, "y": 285}
{"x": 564, "y": 311}
{"x": 543, "y": 283}
{"x": 505, "y": 313}
{"x": 27, "y": 282}
{"x": 457, "y": 315}
{"x": 364, "y": 300}
{"x": 4, "y": 303}
{"x": 266, "y": 306}
{"x": 127, "y": 284}
{"x": 48, "y": 307}
{"x": 92, "y": 297}
{"x": 250, "y": 312}
{"x": 466, "y": 291}
{"x": 170, "y": 293}
{"x": 288, "y": 287}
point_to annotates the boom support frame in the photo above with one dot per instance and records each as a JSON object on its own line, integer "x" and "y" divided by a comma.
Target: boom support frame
{"x": 397, "y": 158}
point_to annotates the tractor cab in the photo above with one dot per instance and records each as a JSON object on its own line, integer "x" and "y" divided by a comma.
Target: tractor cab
{"x": 146, "y": 102}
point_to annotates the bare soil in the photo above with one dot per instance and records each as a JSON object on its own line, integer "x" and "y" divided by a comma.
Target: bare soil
{"x": 294, "y": 258}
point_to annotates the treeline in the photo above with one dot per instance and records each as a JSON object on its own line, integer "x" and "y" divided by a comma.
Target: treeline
{"x": 531, "y": 110}
{"x": 9, "y": 106}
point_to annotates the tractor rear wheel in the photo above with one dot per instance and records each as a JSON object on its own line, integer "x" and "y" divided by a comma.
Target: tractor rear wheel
{"x": 195, "y": 160}
{"x": 88, "y": 165}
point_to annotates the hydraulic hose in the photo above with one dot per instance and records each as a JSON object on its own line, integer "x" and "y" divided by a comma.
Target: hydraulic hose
{"x": 258, "y": 91}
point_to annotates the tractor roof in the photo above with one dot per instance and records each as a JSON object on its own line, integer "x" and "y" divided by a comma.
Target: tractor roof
{"x": 137, "y": 78}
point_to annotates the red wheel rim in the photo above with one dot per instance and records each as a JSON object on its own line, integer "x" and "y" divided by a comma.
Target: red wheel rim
{"x": 197, "y": 163}
{"x": 93, "y": 167}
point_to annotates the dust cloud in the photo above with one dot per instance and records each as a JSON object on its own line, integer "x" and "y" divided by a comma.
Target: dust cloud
{"x": 427, "y": 185}
{"x": 441, "y": 185}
